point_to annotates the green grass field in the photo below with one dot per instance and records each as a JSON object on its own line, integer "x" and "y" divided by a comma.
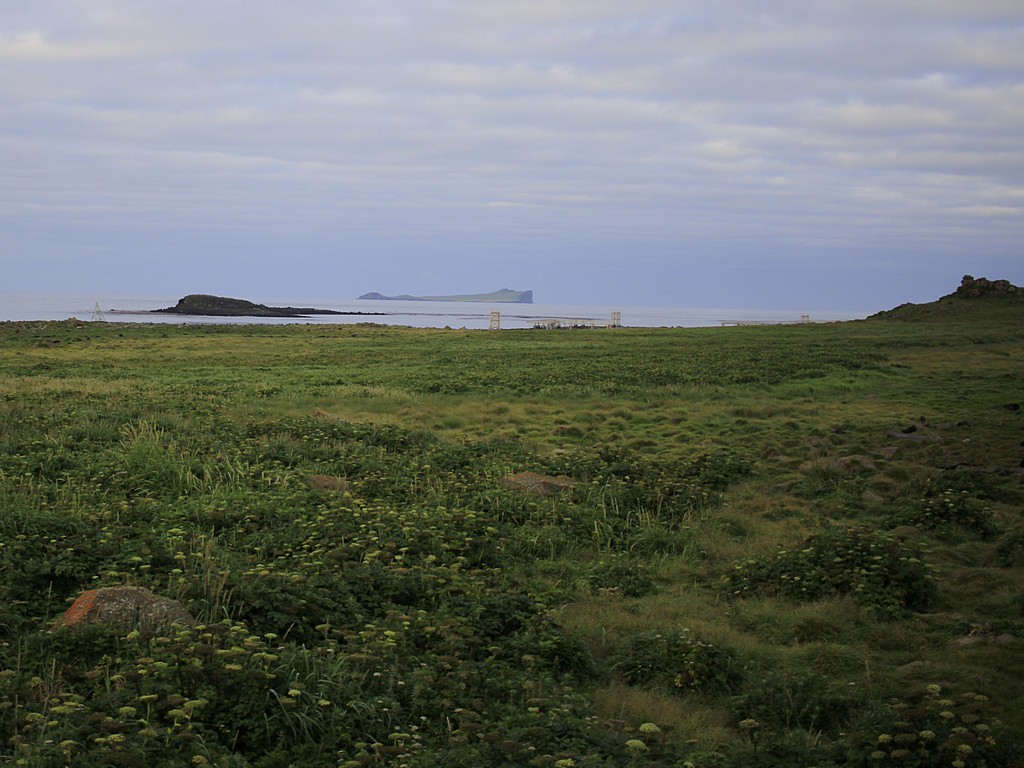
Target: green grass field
{"x": 781, "y": 546}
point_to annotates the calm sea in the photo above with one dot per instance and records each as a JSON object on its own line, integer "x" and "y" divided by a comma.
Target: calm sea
{"x": 420, "y": 314}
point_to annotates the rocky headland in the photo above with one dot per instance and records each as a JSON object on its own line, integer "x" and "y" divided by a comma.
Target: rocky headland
{"x": 972, "y": 293}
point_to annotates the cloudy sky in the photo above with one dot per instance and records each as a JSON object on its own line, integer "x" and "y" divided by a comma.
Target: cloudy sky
{"x": 813, "y": 154}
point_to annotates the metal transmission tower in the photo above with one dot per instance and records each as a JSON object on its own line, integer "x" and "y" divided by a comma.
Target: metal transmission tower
{"x": 97, "y": 314}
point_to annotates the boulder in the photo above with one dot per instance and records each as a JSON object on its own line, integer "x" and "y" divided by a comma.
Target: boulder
{"x": 983, "y": 638}
{"x": 125, "y": 609}
{"x": 857, "y": 463}
{"x": 325, "y": 483}
{"x": 901, "y": 435}
{"x": 538, "y": 485}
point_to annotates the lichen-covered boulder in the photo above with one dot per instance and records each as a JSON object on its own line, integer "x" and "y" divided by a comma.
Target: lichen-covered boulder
{"x": 125, "y": 609}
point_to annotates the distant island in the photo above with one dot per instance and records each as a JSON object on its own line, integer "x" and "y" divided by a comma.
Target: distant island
{"x": 504, "y": 296}
{"x": 220, "y": 306}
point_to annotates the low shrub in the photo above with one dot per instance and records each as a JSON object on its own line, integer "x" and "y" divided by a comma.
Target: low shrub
{"x": 952, "y": 509}
{"x": 625, "y": 577}
{"x": 804, "y": 701}
{"x": 934, "y": 729}
{"x": 681, "y": 659}
{"x": 617, "y": 479}
{"x": 885, "y": 575}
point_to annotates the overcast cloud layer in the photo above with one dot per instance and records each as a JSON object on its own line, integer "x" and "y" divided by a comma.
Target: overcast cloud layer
{"x": 814, "y": 155}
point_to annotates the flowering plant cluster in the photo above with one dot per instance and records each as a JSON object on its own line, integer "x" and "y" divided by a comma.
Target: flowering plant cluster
{"x": 937, "y": 729}
{"x": 886, "y": 575}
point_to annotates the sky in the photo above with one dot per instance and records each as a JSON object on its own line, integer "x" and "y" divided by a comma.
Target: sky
{"x": 810, "y": 154}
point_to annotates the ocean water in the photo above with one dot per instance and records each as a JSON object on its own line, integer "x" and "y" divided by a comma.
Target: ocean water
{"x": 420, "y": 314}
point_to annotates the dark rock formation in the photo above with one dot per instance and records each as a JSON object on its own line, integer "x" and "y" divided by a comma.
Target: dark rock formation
{"x": 219, "y": 306}
{"x": 974, "y": 294}
{"x": 971, "y": 287}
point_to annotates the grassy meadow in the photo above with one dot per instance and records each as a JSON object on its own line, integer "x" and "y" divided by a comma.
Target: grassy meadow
{"x": 781, "y": 546}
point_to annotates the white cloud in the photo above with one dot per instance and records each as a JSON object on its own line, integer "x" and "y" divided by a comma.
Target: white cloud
{"x": 35, "y": 46}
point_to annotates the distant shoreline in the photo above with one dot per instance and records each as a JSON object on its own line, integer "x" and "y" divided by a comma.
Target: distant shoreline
{"x": 26, "y": 307}
{"x": 504, "y": 296}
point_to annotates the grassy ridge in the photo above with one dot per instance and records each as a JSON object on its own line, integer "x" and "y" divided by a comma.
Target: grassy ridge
{"x": 778, "y": 539}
